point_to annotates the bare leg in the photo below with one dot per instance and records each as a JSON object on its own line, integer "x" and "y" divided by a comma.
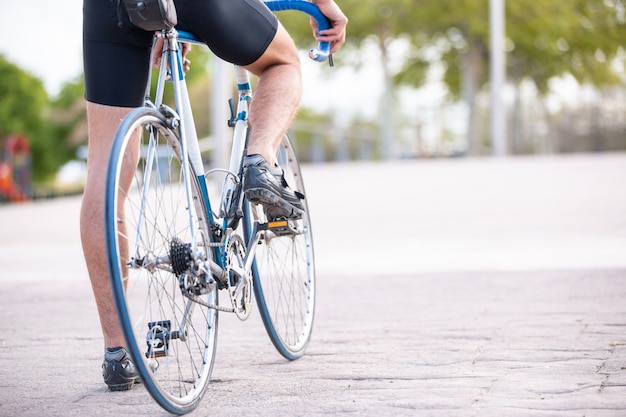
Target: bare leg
{"x": 277, "y": 96}
{"x": 102, "y": 124}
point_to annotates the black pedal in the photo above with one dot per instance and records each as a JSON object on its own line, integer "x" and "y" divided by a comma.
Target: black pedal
{"x": 158, "y": 339}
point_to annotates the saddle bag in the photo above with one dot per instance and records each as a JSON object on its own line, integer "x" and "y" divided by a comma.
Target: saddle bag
{"x": 152, "y": 15}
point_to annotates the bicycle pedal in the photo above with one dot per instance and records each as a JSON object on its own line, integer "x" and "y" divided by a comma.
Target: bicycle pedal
{"x": 282, "y": 227}
{"x": 158, "y": 338}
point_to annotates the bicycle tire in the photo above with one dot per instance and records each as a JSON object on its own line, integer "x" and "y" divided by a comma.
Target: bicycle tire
{"x": 143, "y": 215}
{"x": 284, "y": 270}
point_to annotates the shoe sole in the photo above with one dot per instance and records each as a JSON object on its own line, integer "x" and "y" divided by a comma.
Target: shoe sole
{"x": 277, "y": 206}
{"x": 121, "y": 387}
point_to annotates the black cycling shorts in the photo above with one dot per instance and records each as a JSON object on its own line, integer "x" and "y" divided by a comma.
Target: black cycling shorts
{"x": 116, "y": 53}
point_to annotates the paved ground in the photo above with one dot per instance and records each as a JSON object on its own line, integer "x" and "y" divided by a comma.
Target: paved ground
{"x": 471, "y": 287}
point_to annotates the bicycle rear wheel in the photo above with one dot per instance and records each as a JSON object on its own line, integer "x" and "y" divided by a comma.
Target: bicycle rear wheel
{"x": 284, "y": 270}
{"x": 149, "y": 230}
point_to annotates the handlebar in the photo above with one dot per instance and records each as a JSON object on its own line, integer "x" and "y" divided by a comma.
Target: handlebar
{"x": 322, "y": 53}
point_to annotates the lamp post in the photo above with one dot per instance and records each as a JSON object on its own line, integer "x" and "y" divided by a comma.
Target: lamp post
{"x": 497, "y": 77}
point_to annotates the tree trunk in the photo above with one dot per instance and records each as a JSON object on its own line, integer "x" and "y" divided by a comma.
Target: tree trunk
{"x": 471, "y": 67}
{"x": 386, "y": 110}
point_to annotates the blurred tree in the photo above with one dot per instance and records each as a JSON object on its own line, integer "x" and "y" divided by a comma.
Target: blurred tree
{"x": 66, "y": 129}
{"x": 23, "y": 103}
{"x": 583, "y": 41}
{"x": 381, "y": 21}
{"x": 310, "y": 134}
{"x": 57, "y": 127}
{"x": 23, "y": 98}
{"x": 545, "y": 39}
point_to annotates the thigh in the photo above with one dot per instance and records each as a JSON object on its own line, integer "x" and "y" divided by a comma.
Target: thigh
{"x": 216, "y": 22}
{"x": 116, "y": 55}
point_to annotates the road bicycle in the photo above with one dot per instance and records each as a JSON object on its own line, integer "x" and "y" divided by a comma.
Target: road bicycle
{"x": 174, "y": 246}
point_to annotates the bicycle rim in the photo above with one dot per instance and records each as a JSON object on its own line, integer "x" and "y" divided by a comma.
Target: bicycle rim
{"x": 171, "y": 339}
{"x": 284, "y": 271}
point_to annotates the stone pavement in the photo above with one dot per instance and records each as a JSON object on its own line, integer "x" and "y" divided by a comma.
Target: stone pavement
{"x": 470, "y": 287}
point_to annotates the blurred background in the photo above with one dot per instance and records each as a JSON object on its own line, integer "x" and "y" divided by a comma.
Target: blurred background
{"x": 413, "y": 81}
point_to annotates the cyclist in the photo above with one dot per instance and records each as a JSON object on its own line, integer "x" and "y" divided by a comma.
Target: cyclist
{"x": 116, "y": 58}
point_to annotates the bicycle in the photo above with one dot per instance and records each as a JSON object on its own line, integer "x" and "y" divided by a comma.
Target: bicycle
{"x": 170, "y": 254}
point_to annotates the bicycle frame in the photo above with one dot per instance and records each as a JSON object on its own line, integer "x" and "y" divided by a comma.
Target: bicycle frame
{"x": 181, "y": 257}
{"x": 172, "y": 68}
{"x": 182, "y": 118}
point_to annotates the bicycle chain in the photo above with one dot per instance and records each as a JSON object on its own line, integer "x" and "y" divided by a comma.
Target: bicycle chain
{"x": 200, "y": 301}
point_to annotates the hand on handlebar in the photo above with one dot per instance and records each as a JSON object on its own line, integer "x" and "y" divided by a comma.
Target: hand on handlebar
{"x": 336, "y": 35}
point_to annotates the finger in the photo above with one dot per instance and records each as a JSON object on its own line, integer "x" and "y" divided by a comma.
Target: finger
{"x": 186, "y": 48}
{"x": 331, "y": 36}
{"x": 335, "y": 30}
{"x": 314, "y": 27}
{"x": 336, "y": 41}
{"x": 158, "y": 49}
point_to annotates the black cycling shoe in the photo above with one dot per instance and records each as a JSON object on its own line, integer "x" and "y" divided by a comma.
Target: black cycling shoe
{"x": 118, "y": 370}
{"x": 266, "y": 185}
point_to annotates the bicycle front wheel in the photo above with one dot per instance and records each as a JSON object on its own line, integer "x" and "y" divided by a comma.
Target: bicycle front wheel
{"x": 284, "y": 269}
{"x": 152, "y": 233}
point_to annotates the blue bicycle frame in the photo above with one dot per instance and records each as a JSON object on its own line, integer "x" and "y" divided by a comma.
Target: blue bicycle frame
{"x": 189, "y": 146}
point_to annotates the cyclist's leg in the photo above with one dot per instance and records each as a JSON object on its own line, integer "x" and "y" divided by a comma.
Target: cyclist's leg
{"x": 277, "y": 95}
{"x": 116, "y": 58}
{"x": 274, "y": 105}
{"x": 102, "y": 124}
{"x": 264, "y": 48}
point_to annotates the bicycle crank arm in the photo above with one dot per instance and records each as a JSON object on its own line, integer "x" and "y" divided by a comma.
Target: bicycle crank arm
{"x": 268, "y": 231}
{"x": 252, "y": 245}
{"x": 216, "y": 270}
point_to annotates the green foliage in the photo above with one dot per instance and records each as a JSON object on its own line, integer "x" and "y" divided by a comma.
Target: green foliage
{"x": 57, "y": 127}
{"x": 546, "y": 38}
{"x": 582, "y": 41}
{"x": 23, "y": 106}
{"x": 71, "y": 92}
{"x": 309, "y": 127}
{"x": 66, "y": 129}
{"x": 22, "y": 101}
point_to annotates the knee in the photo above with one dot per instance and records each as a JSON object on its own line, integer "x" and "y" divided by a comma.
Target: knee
{"x": 282, "y": 52}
